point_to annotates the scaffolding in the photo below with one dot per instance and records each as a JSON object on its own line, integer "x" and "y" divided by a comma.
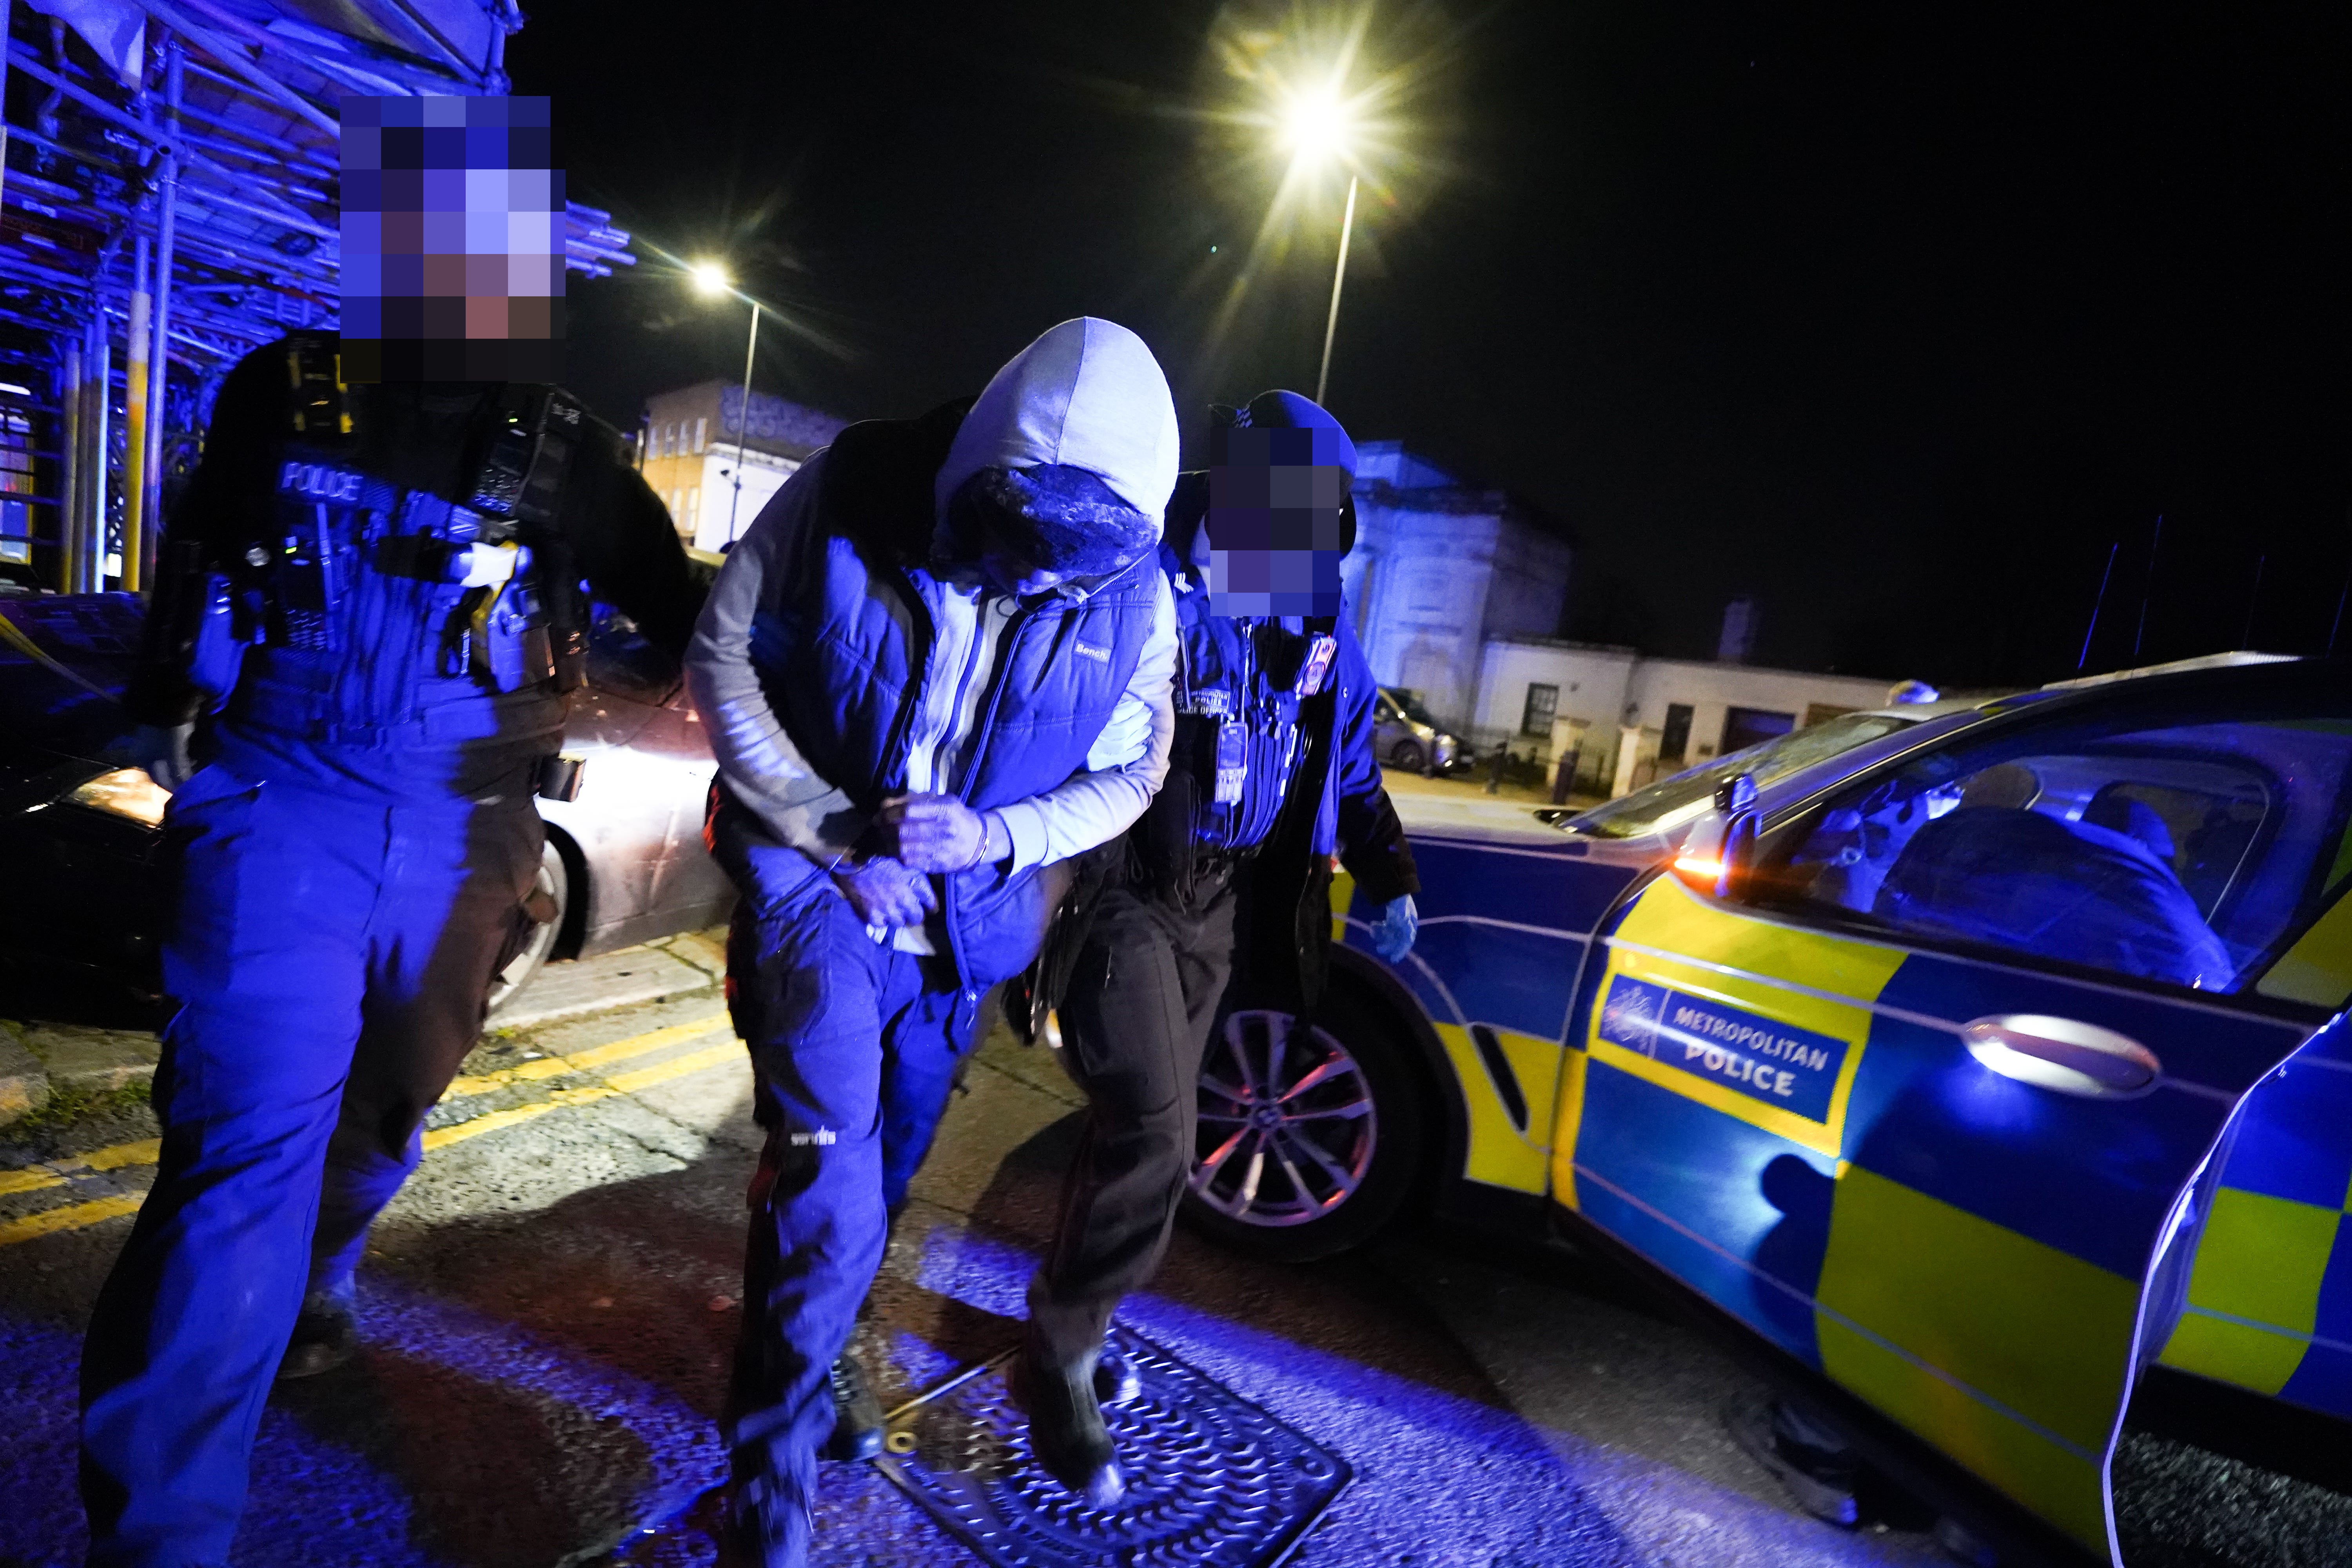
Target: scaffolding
{"x": 168, "y": 202}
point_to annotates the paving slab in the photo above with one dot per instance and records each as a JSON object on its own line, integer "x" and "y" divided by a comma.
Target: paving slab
{"x": 94, "y": 1059}
{"x": 620, "y": 979}
{"x": 24, "y": 1082}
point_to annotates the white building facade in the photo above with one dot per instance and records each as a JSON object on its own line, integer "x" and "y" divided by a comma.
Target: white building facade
{"x": 1440, "y": 569}
{"x": 1633, "y": 718}
{"x": 712, "y": 474}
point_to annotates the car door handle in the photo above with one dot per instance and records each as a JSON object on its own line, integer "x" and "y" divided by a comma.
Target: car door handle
{"x": 2060, "y": 1054}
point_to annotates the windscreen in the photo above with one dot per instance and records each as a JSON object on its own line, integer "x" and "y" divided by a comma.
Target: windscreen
{"x": 1672, "y": 801}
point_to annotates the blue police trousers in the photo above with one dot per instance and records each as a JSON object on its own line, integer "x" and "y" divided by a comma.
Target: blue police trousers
{"x": 331, "y": 953}
{"x": 854, "y": 1047}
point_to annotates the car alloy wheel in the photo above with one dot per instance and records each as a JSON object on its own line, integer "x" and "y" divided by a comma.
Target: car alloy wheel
{"x": 551, "y": 895}
{"x": 1407, "y": 756}
{"x": 1287, "y": 1124}
{"x": 1309, "y": 1136}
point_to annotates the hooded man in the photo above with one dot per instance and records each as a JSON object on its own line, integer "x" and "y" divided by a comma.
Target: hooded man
{"x": 935, "y": 667}
{"x": 1271, "y": 773}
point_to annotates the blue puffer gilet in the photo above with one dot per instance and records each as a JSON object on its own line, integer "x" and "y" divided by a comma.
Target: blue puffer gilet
{"x": 844, "y": 667}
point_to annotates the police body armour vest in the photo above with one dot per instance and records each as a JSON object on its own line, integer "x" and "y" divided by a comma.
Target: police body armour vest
{"x": 381, "y": 616}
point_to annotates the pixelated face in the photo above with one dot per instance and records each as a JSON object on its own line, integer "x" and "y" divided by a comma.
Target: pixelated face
{"x": 1275, "y": 535}
{"x": 453, "y": 240}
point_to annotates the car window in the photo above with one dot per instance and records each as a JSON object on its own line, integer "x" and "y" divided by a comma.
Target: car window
{"x": 2184, "y": 853}
{"x": 1673, "y": 801}
{"x": 1410, "y": 708}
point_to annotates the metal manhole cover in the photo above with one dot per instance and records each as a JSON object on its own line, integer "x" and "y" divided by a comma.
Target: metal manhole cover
{"x": 1212, "y": 1481}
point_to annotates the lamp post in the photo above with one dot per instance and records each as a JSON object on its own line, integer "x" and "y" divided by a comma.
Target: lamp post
{"x": 1319, "y": 126}
{"x": 710, "y": 281}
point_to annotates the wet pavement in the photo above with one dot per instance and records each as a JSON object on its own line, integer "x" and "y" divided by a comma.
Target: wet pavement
{"x": 548, "y": 1309}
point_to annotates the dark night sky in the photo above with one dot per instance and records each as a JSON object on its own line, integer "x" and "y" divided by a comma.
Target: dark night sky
{"x": 1895, "y": 318}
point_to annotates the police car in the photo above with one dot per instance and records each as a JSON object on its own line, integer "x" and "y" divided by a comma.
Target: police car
{"x": 1969, "y": 1065}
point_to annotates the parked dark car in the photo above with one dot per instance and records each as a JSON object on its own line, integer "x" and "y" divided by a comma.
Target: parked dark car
{"x": 1405, "y": 736}
{"x": 623, "y": 863}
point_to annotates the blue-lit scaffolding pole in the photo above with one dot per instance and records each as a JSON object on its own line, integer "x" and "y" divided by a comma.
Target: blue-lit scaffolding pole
{"x": 148, "y": 506}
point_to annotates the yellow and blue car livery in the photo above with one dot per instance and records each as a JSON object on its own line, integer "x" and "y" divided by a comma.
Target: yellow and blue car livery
{"x": 1790, "y": 1122}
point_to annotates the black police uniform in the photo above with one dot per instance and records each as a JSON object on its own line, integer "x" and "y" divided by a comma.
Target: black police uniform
{"x": 376, "y": 591}
{"x": 1281, "y": 708}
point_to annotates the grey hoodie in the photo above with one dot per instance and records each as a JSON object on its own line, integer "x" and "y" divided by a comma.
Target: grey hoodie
{"x": 1087, "y": 394}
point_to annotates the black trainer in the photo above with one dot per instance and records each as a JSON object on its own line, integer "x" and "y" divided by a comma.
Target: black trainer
{"x": 326, "y": 1335}
{"x": 1065, "y": 1426}
{"x": 1819, "y": 1471}
{"x": 1117, "y": 1382}
{"x": 856, "y": 1414}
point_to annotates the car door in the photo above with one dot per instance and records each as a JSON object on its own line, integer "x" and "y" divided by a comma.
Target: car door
{"x": 1924, "y": 1105}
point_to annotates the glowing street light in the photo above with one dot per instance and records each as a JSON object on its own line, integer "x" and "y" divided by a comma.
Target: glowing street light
{"x": 710, "y": 281}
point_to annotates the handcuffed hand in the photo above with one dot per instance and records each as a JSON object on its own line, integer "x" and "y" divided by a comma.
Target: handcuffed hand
{"x": 161, "y": 749}
{"x": 934, "y": 832}
{"x": 1393, "y": 933}
{"x": 884, "y": 893}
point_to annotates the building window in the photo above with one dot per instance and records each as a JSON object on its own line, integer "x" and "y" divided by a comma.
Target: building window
{"x": 1744, "y": 727}
{"x": 1543, "y": 702}
{"x": 1673, "y": 741}
{"x": 693, "y": 506}
{"x": 699, "y": 426}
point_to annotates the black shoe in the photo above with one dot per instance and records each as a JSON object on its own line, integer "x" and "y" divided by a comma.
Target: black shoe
{"x": 1117, "y": 1382}
{"x": 1065, "y": 1427}
{"x": 1822, "y": 1482}
{"x": 325, "y": 1336}
{"x": 856, "y": 1414}
{"x": 758, "y": 1528}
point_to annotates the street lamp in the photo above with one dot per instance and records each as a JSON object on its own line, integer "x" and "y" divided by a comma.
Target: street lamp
{"x": 711, "y": 281}
{"x": 1319, "y": 125}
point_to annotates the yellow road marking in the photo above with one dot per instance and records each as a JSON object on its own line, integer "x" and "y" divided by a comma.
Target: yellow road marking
{"x": 587, "y": 1060}
{"x": 73, "y": 1216}
{"x": 144, "y": 1152}
{"x": 53, "y": 1172}
{"x": 77, "y": 1217}
{"x": 679, "y": 1067}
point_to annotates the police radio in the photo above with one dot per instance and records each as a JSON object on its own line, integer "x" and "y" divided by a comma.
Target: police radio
{"x": 321, "y": 401}
{"x": 524, "y": 458}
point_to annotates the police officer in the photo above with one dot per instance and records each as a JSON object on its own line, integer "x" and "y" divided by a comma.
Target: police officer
{"x": 935, "y": 668}
{"x": 373, "y": 589}
{"x": 1271, "y": 772}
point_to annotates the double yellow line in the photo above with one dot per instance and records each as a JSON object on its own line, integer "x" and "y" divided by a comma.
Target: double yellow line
{"x": 77, "y": 1217}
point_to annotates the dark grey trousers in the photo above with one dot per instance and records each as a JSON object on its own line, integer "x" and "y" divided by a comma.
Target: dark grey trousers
{"x": 1135, "y": 1021}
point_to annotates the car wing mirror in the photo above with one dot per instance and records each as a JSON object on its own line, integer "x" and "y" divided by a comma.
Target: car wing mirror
{"x": 1720, "y": 852}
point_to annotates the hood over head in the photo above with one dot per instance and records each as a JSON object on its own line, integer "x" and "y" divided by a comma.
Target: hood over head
{"x": 1086, "y": 394}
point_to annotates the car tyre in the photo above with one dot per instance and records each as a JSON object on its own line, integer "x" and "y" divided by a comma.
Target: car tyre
{"x": 551, "y": 897}
{"x": 1331, "y": 1116}
{"x": 1408, "y": 757}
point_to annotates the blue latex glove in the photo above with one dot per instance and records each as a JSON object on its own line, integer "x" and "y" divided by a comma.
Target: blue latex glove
{"x": 1393, "y": 933}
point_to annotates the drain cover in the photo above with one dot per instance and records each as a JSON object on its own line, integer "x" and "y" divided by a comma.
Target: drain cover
{"x": 1210, "y": 1480}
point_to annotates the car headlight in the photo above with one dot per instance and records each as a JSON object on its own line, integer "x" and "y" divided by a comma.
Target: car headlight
{"x": 125, "y": 792}
{"x": 1447, "y": 748}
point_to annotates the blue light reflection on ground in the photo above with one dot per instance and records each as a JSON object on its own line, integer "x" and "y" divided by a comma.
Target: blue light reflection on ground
{"x": 1442, "y": 1479}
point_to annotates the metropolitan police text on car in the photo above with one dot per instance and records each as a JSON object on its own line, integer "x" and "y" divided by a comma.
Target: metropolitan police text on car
{"x": 1769, "y": 1061}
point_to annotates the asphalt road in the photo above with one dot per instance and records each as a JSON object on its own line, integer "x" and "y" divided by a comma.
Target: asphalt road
{"x": 550, "y": 1305}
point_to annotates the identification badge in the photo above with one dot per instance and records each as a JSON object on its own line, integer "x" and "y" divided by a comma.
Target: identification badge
{"x": 1233, "y": 762}
{"x": 1319, "y": 654}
